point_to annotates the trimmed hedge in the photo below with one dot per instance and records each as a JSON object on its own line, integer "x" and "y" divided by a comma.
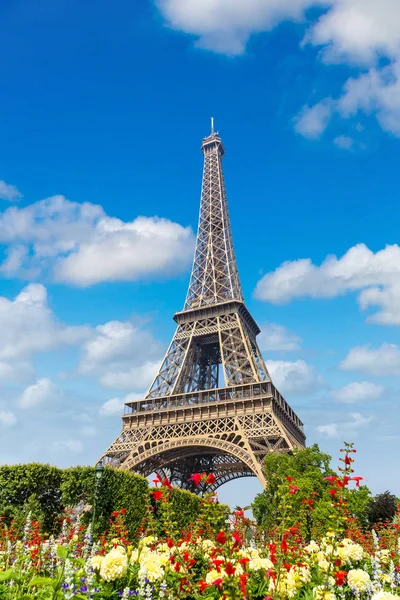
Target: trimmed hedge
{"x": 46, "y": 491}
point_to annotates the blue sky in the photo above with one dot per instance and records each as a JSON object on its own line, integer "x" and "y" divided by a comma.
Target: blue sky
{"x": 102, "y": 112}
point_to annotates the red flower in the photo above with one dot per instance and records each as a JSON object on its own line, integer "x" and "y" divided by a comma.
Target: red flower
{"x": 237, "y": 538}
{"x": 157, "y": 494}
{"x": 332, "y": 492}
{"x": 229, "y": 569}
{"x": 357, "y": 480}
{"x": 115, "y": 513}
{"x": 293, "y": 489}
{"x": 217, "y": 582}
{"x": 167, "y": 483}
{"x": 242, "y": 581}
{"x": 123, "y": 511}
{"x": 243, "y": 561}
{"x": 331, "y": 479}
{"x": 284, "y": 546}
{"x": 289, "y": 479}
{"x": 196, "y": 478}
{"x": 217, "y": 564}
{"x": 202, "y": 585}
{"x": 221, "y": 538}
{"x": 347, "y": 460}
{"x": 340, "y": 576}
{"x": 157, "y": 479}
{"x": 211, "y": 479}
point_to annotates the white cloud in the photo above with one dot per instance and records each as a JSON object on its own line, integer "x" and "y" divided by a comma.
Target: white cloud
{"x": 112, "y": 408}
{"x": 72, "y": 445}
{"x": 358, "y": 391}
{"x": 351, "y": 425}
{"x": 41, "y": 393}
{"x": 7, "y": 419}
{"x": 9, "y": 192}
{"x": 331, "y": 430}
{"x": 382, "y": 361}
{"x": 225, "y": 25}
{"x": 115, "y": 406}
{"x": 344, "y": 142}
{"x": 27, "y": 326}
{"x": 121, "y": 355}
{"x": 274, "y": 337}
{"x": 296, "y": 378}
{"x": 357, "y": 269}
{"x": 313, "y": 120}
{"x": 20, "y": 371}
{"x": 358, "y": 30}
{"x": 79, "y": 244}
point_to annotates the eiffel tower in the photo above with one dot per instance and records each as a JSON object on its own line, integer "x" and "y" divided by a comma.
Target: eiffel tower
{"x": 212, "y": 406}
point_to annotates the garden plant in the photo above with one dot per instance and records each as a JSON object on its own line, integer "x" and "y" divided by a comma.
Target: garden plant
{"x": 335, "y": 554}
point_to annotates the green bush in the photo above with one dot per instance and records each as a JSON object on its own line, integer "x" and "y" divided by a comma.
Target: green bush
{"x": 46, "y": 491}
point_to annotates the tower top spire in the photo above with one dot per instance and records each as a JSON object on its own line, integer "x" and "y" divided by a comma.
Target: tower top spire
{"x": 212, "y": 125}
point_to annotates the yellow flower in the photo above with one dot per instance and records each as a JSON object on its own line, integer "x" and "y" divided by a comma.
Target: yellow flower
{"x": 358, "y": 580}
{"x": 114, "y": 565}
{"x": 258, "y": 563}
{"x": 384, "y": 596}
{"x": 349, "y": 551}
{"x": 96, "y": 561}
{"x": 321, "y": 594}
{"x": 312, "y": 547}
{"x": 152, "y": 565}
{"x": 213, "y": 575}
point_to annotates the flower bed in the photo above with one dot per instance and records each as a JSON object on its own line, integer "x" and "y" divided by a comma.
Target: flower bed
{"x": 345, "y": 562}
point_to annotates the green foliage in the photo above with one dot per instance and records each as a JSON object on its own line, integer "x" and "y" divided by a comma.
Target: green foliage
{"x": 33, "y": 487}
{"x": 185, "y": 510}
{"x": 382, "y": 508}
{"x": 46, "y": 491}
{"x": 308, "y": 468}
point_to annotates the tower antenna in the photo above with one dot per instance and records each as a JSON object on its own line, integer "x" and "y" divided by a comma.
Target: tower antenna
{"x": 212, "y": 125}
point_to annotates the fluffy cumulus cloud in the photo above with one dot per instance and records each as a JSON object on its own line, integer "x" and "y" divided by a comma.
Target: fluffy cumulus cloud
{"x": 21, "y": 320}
{"x": 358, "y": 391}
{"x": 39, "y": 394}
{"x": 9, "y": 192}
{"x": 382, "y": 361}
{"x": 274, "y": 337}
{"x": 115, "y": 406}
{"x": 311, "y": 122}
{"x": 7, "y": 418}
{"x": 80, "y": 245}
{"x": 121, "y": 355}
{"x": 225, "y": 26}
{"x": 297, "y": 378}
{"x": 353, "y": 423}
{"x": 360, "y": 32}
{"x": 375, "y": 274}
{"x": 356, "y": 32}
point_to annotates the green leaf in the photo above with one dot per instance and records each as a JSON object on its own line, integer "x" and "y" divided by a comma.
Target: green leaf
{"x": 40, "y": 581}
{"x": 62, "y": 552}
{"x": 8, "y": 575}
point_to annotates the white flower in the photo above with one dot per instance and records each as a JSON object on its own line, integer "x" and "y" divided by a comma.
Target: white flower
{"x": 152, "y": 566}
{"x": 359, "y": 580}
{"x": 349, "y": 551}
{"x": 96, "y": 561}
{"x": 384, "y": 596}
{"x": 312, "y": 547}
{"x": 114, "y": 565}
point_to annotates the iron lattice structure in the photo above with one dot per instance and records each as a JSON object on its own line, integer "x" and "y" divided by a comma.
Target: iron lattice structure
{"x": 212, "y": 406}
